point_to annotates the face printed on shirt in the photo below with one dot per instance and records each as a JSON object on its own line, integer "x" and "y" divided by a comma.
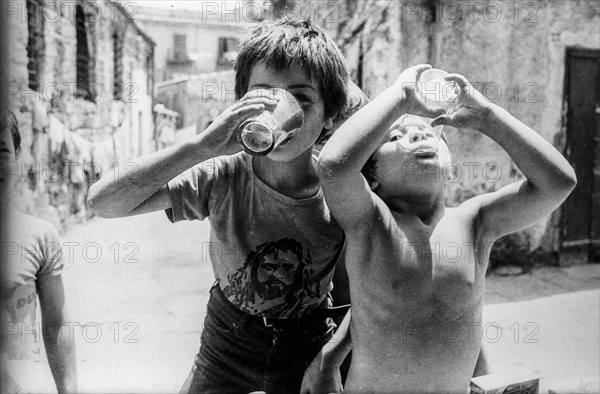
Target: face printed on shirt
{"x": 276, "y": 273}
{"x": 274, "y": 279}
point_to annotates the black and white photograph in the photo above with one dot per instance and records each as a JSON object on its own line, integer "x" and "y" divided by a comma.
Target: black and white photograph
{"x": 300, "y": 196}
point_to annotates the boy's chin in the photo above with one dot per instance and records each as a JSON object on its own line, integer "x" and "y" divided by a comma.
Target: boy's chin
{"x": 286, "y": 154}
{"x": 416, "y": 186}
{"x": 279, "y": 156}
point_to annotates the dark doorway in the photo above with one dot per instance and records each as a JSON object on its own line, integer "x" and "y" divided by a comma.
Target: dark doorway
{"x": 581, "y": 211}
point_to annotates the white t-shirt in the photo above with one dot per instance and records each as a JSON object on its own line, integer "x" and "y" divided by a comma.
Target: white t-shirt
{"x": 31, "y": 248}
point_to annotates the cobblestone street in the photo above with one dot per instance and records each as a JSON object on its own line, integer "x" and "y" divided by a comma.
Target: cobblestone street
{"x": 137, "y": 290}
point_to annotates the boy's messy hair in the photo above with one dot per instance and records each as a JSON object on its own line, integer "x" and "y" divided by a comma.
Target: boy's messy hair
{"x": 355, "y": 100}
{"x": 291, "y": 40}
{"x": 8, "y": 122}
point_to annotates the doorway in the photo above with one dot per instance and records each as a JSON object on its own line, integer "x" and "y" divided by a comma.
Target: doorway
{"x": 580, "y": 235}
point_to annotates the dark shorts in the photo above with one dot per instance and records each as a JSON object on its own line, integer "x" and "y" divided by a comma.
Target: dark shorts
{"x": 240, "y": 354}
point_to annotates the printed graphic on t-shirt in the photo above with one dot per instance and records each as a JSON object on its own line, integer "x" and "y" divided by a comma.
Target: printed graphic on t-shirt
{"x": 20, "y": 304}
{"x": 19, "y": 333}
{"x": 274, "y": 281}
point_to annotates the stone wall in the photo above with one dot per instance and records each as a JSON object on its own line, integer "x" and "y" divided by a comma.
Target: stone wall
{"x": 68, "y": 141}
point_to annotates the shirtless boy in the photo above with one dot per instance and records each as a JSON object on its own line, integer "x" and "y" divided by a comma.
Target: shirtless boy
{"x": 417, "y": 312}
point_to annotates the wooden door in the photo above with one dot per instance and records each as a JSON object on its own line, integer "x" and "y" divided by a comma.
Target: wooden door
{"x": 581, "y": 212}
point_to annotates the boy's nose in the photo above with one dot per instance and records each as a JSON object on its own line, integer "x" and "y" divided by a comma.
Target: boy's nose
{"x": 419, "y": 135}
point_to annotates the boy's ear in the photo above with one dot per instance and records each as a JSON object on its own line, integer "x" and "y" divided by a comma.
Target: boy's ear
{"x": 328, "y": 123}
{"x": 374, "y": 185}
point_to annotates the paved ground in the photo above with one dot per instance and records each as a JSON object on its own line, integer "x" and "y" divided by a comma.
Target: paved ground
{"x": 138, "y": 289}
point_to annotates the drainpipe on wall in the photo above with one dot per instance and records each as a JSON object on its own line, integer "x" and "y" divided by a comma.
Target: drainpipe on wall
{"x": 359, "y": 68}
{"x": 152, "y": 90}
{"x": 431, "y": 8}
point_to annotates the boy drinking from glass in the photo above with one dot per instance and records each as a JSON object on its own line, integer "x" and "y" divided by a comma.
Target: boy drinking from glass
{"x": 416, "y": 312}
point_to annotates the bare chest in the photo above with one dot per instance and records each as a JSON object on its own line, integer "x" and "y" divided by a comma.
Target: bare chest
{"x": 444, "y": 253}
{"x": 416, "y": 269}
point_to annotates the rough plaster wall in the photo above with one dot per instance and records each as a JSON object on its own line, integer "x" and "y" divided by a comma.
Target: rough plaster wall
{"x": 476, "y": 45}
{"x": 524, "y": 49}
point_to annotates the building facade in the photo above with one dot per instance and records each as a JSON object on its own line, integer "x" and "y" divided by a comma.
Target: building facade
{"x": 197, "y": 99}
{"x": 79, "y": 77}
{"x": 194, "y": 42}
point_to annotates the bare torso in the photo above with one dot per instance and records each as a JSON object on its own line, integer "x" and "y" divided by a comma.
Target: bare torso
{"x": 417, "y": 296}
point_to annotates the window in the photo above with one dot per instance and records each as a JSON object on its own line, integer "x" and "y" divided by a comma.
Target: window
{"x": 180, "y": 48}
{"x": 228, "y": 48}
{"x": 35, "y": 43}
{"x": 83, "y": 60}
{"x": 117, "y": 66}
{"x": 222, "y": 45}
{"x": 150, "y": 71}
{"x": 228, "y": 44}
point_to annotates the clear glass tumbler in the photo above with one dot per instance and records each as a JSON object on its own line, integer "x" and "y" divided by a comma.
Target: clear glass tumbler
{"x": 261, "y": 134}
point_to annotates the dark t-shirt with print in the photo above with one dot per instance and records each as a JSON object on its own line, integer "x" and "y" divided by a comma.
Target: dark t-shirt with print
{"x": 272, "y": 254}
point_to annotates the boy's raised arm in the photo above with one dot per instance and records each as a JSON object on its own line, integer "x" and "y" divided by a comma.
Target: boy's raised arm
{"x": 347, "y": 151}
{"x": 140, "y": 188}
{"x": 549, "y": 176}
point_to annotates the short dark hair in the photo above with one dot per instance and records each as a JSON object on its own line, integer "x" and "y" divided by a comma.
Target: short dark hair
{"x": 355, "y": 100}
{"x": 8, "y": 121}
{"x": 291, "y": 40}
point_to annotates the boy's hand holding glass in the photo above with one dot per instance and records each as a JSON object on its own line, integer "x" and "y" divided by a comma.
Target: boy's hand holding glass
{"x": 469, "y": 110}
{"x": 220, "y": 136}
{"x": 412, "y": 102}
{"x": 276, "y": 126}
{"x": 437, "y": 92}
